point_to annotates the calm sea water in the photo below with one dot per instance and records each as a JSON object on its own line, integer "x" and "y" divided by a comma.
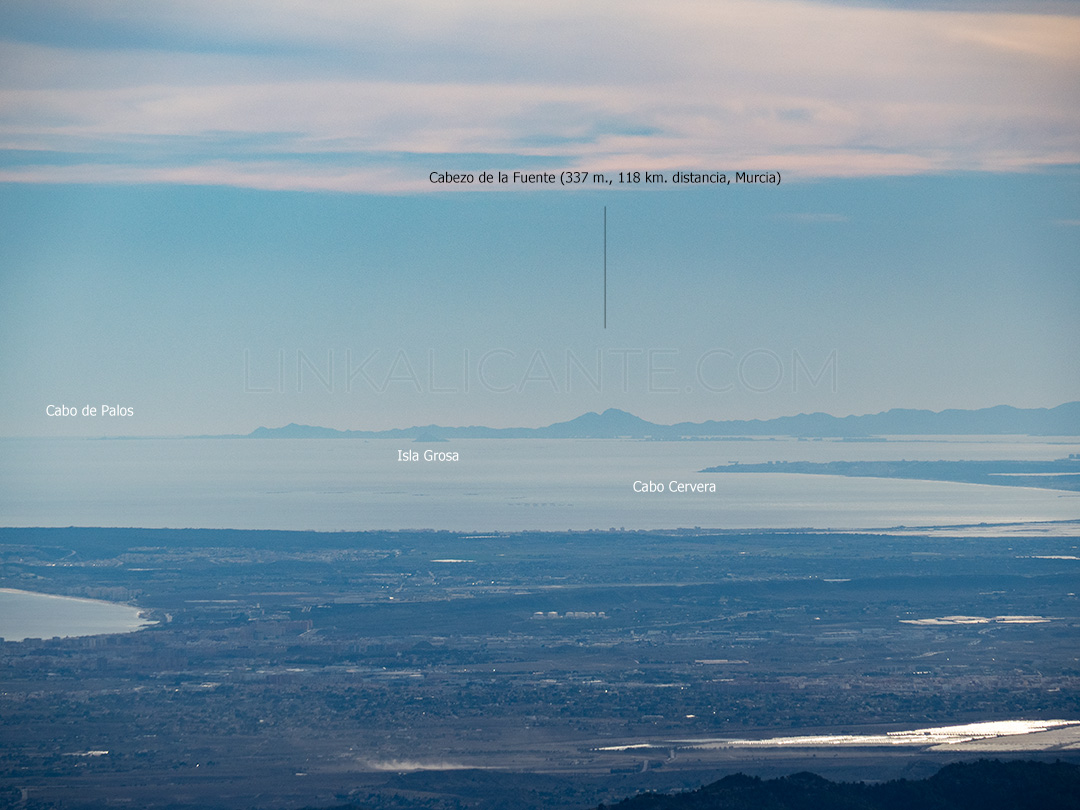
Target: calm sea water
{"x": 504, "y": 485}
{"x": 26, "y": 615}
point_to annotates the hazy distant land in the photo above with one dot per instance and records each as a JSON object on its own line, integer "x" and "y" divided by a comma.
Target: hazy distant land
{"x": 1064, "y": 420}
{"x": 1060, "y": 474}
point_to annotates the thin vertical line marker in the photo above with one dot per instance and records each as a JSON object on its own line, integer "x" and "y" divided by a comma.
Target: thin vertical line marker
{"x": 605, "y": 267}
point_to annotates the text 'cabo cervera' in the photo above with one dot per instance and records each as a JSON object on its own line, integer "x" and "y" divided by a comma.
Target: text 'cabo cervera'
{"x": 674, "y": 486}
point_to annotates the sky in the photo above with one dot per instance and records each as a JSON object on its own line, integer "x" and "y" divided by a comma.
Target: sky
{"x": 221, "y": 215}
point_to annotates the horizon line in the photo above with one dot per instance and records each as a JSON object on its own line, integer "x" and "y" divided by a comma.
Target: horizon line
{"x": 756, "y": 420}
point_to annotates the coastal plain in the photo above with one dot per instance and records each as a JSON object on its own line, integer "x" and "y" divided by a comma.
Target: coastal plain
{"x": 433, "y": 669}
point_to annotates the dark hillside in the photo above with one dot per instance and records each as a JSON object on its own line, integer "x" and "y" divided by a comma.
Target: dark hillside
{"x": 982, "y": 785}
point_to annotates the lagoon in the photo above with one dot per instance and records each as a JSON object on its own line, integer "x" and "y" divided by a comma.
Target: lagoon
{"x": 26, "y": 614}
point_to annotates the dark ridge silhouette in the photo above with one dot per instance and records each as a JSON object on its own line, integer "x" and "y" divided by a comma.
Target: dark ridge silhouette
{"x": 981, "y": 785}
{"x": 1064, "y": 420}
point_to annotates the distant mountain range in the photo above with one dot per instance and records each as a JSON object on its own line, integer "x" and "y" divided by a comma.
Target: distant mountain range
{"x": 1064, "y": 420}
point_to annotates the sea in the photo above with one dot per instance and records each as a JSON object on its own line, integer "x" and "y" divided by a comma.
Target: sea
{"x": 504, "y": 485}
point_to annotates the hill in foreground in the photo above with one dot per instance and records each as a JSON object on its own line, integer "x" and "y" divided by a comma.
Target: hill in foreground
{"x": 982, "y": 785}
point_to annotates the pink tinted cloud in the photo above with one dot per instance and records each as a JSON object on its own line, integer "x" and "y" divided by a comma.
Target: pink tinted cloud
{"x": 806, "y": 88}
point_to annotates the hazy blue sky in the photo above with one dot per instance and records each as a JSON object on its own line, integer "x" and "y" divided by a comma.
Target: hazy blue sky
{"x": 219, "y": 214}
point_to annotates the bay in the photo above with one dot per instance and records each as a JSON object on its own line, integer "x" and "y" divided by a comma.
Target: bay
{"x": 500, "y": 485}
